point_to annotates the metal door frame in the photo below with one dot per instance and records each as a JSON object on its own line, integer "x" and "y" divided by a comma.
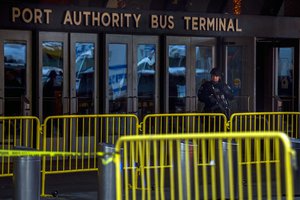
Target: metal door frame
{"x": 146, "y": 39}
{"x": 272, "y": 45}
{"x": 24, "y": 37}
{"x": 191, "y": 90}
{"x": 83, "y": 38}
{"x": 57, "y": 37}
{"x": 132, "y": 41}
{"x": 248, "y": 86}
{"x": 199, "y": 42}
{"x": 119, "y": 39}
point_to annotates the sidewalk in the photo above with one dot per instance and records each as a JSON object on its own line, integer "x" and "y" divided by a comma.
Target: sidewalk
{"x": 73, "y": 186}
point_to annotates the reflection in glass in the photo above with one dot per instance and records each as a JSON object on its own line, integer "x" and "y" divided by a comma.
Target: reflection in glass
{"x": 85, "y": 67}
{"x": 235, "y": 80}
{"x": 285, "y": 72}
{"x": 177, "y": 78}
{"x": 15, "y": 77}
{"x": 234, "y": 68}
{"x": 146, "y": 78}
{"x": 52, "y": 78}
{"x": 203, "y": 65}
{"x": 117, "y": 78}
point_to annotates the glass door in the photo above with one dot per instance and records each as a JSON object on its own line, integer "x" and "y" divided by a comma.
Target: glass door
{"x": 240, "y": 72}
{"x": 118, "y": 60}
{"x": 132, "y": 74}
{"x": 84, "y": 59}
{"x": 146, "y": 73}
{"x": 188, "y": 64}
{"x": 284, "y": 78}
{"x": 15, "y": 73}
{"x": 53, "y": 74}
{"x": 277, "y": 75}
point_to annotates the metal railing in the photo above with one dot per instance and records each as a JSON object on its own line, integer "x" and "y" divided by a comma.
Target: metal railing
{"x": 82, "y": 133}
{"x": 17, "y": 131}
{"x": 287, "y": 122}
{"x": 204, "y": 166}
{"x": 184, "y": 123}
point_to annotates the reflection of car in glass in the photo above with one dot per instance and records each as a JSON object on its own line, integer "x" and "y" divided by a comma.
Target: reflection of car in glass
{"x": 59, "y": 75}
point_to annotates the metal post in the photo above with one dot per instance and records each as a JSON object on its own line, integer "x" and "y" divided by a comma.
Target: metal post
{"x": 27, "y": 178}
{"x": 106, "y": 173}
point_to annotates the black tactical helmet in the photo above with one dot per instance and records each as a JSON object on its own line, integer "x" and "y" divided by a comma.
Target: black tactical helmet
{"x": 216, "y": 72}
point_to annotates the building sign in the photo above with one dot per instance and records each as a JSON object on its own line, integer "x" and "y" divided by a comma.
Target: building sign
{"x": 109, "y": 19}
{"x": 30, "y": 16}
{"x": 121, "y": 20}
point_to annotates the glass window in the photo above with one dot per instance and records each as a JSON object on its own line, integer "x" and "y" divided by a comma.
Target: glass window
{"x": 177, "y": 78}
{"x": 234, "y": 68}
{"x": 85, "y": 67}
{"x": 15, "y": 77}
{"x": 52, "y": 80}
{"x": 285, "y": 80}
{"x": 285, "y": 71}
{"x": 117, "y": 75}
{"x": 203, "y": 65}
{"x": 146, "y": 78}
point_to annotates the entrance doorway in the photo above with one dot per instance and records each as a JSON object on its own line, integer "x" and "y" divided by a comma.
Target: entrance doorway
{"x": 132, "y": 74}
{"x": 275, "y": 75}
{"x": 188, "y": 64}
{"x": 67, "y": 74}
{"x": 239, "y": 60}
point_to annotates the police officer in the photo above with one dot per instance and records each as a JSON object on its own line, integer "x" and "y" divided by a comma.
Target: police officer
{"x": 215, "y": 94}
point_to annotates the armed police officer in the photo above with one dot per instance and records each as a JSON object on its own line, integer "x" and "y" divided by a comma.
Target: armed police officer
{"x": 215, "y": 94}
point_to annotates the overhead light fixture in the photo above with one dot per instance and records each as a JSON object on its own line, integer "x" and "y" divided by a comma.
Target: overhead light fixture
{"x": 237, "y": 5}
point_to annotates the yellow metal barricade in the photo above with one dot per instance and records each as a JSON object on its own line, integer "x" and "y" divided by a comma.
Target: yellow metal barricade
{"x": 184, "y": 123}
{"x": 81, "y": 134}
{"x": 16, "y": 132}
{"x": 287, "y": 122}
{"x": 204, "y": 166}
{"x": 180, "y": 123}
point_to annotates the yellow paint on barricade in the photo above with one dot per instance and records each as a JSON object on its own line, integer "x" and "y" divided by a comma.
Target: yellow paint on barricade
{"x": 287, "y": 122}
{"x": 204, "y": 166}
{"x": 17, "y": 131}
{"x": 174, "y": 123}
{"x": 81, "y": 134}
{"x": 20, "y": 153}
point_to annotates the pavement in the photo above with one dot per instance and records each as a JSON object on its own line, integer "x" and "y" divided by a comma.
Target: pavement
{"x": 72, "y": 186}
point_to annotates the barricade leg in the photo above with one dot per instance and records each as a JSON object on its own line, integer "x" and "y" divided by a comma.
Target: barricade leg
{"x": 229, "y": 149}
{"x": 295, "y": 143}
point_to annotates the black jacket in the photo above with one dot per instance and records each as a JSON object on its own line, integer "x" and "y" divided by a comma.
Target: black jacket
{"x": 215, "y": 96}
